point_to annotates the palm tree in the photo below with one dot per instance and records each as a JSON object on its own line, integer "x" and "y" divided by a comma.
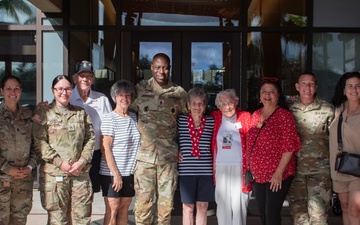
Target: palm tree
{"x": 13, "y": 7}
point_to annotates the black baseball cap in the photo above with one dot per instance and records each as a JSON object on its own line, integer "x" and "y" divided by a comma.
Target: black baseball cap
{"x": 84, "y": 66}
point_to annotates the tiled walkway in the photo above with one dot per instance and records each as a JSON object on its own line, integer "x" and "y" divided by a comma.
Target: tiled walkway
{"x": 38, "y": 215}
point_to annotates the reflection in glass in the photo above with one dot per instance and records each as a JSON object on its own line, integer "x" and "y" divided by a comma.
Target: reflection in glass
{"x": 53, "y": 55}
{"x": 208, "y": 67}
{"x": 52, "y": 21}
{"x": 98, "y": 13}
{"x": 144, "y": 52}
{"x": 17, "y": 12}
{"x": 334, "y": 54}
{"x": 281, "y": 55}
{"x": 181, "y": 13}
{"x": 275, "y": 13}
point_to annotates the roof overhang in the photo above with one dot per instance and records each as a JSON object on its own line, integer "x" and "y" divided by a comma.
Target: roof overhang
{"x": 48, "y": 6}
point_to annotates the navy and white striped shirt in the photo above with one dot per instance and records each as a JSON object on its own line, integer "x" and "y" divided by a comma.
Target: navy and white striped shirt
{"x": 192, "y": 166}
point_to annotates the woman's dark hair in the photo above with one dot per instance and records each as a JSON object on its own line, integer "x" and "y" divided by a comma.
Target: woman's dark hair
{"x": 9, "y": 77}
{"x": 339, "y": 96}
{"x": 282, "y": 101}
{"x": 122, "y": 85}
{"x": 60, "y": 77}
{"x": 197, "y": 92}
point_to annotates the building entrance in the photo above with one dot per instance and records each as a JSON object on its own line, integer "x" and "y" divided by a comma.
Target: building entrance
{"x": 198, "y": 59}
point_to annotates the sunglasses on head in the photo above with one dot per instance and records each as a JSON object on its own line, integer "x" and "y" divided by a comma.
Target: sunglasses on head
{"x": 270, "y": 79}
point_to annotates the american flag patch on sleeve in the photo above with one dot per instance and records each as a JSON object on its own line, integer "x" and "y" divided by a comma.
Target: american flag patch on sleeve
{"x": 38, "y": 118}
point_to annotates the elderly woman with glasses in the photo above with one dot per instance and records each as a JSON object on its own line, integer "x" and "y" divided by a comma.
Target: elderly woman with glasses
{"x": 120, "y": 140}
{"x": 195, "y": 166}
{"x": 272, "y": 143}
{"x": 228, "y": 145}
{"x": 65, "y": 136}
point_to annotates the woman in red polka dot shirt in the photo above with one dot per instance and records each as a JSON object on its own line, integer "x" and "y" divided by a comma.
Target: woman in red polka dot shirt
{"x": 272, "y": 143}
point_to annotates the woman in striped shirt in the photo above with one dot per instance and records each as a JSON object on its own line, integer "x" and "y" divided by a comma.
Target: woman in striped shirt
{"x": 120, "y": 140}
{"x": 195, "y": 166}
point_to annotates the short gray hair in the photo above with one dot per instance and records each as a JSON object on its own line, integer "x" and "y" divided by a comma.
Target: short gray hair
{"x": 196, "y": 92}
{"x": 227, "y": 92}
{"x": 122, "y": 85}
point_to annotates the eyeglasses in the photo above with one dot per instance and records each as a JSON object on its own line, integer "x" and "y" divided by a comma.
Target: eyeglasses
{"x": 157, "y": 68}
{"x": 270, "y": 79}
{"x": 9, "y": 89}
{"x": 61, "y": 90}
{"x": 222, "y": 104}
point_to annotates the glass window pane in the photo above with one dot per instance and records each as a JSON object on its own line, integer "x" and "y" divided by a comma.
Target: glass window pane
{"x": 52, "y": 21}
{"x": 333, "y": 55}
{"x": 181, "y": 13}
{"x": 17, "y": 57}
{"x": 53, "y": 55}
{"x": 281, "y": 55}
{"x": 275, "y": 13}
{"x": 90, "y": 12}
{"x": 335, "y": 13}
{"x": 17, "y": 12}
{"x": 208, "y": 67}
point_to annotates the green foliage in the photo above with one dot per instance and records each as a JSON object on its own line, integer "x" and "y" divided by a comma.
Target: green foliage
{"x": 13, "y": 7}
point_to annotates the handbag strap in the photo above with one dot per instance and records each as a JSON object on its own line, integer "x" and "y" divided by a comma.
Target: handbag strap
{"x": 339, "y": 138}
{"x": 257, "y": 135}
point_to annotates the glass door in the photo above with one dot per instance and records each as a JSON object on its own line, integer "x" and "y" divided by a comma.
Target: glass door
{"x": 198, "y": 59}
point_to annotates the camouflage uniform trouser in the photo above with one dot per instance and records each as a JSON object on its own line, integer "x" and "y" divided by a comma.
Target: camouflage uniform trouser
{"x": 15, "y": 200}
{"x": 309, "y": 199}
{"x": 67, "y": 202}
{"x": 153, "y": 179}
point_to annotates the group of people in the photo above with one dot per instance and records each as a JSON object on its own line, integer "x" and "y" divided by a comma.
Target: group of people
{"x": 289, "y": 147}
{"x": 158, "y": 137}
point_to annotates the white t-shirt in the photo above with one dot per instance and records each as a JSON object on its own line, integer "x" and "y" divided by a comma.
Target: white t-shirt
{"x": 96, "y": 105}
{"x": 229, "y": 143}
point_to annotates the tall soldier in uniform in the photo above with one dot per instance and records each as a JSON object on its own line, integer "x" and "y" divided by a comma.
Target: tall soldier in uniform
{"x": 158, "y": 103}
{"x": 310, "y": 191}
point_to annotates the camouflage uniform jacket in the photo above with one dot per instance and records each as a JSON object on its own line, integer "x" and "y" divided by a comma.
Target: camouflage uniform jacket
{"x": 312, "y": 123}
{"x": 68, "y": 136}
{"x": 158, "y": 108}
{"x": 16, "y": 146}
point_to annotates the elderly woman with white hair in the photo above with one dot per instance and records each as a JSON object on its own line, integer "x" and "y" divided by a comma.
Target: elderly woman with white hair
{"x": 228, "y": 143}
{"x": 120, "y": 140}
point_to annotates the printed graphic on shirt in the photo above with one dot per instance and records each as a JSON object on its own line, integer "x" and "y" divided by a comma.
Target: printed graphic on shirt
{"x": 227, "y": 139}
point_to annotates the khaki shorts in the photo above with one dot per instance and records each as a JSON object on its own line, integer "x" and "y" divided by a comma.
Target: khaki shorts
{"x": 346, "y": 186}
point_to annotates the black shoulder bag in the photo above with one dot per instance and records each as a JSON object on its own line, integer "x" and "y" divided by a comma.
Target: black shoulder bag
{"x": 249, "y": 177}
{"x": 348, "y": 163}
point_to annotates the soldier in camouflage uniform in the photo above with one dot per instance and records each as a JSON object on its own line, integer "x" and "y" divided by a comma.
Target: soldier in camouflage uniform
{"x": 65, "y": 137}
{"x": 158, "y": 103}
{"x": 310, "y": 191}
{"x": 17, "y": 155}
